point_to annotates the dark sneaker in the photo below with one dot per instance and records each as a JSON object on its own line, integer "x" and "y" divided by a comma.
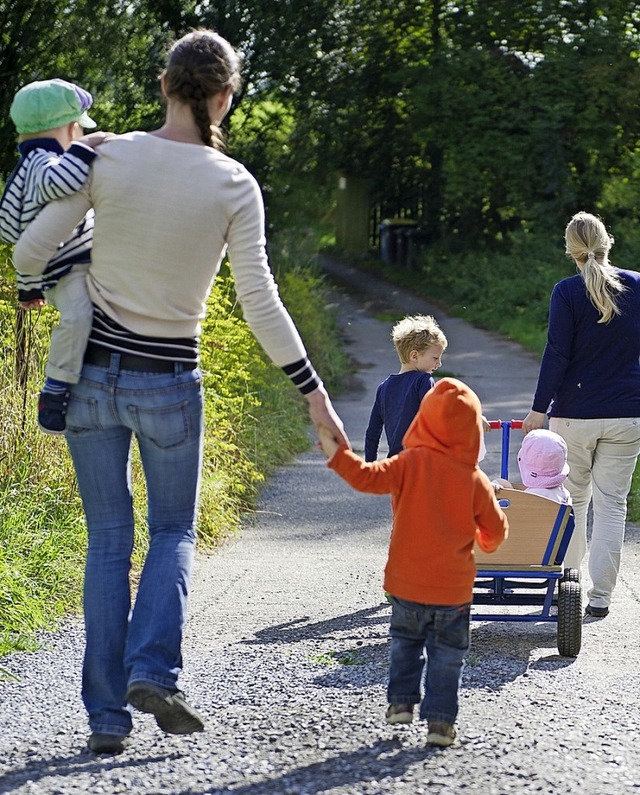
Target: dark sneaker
{"x": 170, "y": 709}
{"x": 107, "y": 743}
{"x": 52, "y": 407}
{"x": 399, "y": 713}
{"x": 596, "y": 612}
{"x": 440, "y": 733}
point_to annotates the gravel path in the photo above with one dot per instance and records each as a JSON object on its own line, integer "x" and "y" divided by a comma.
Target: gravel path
{"x": 286, "y": 646}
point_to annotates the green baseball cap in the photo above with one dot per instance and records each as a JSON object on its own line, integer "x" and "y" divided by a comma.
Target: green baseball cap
{"x": 47, "y": 104}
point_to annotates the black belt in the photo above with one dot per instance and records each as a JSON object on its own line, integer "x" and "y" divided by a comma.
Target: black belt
{"x": 132, "y": 361}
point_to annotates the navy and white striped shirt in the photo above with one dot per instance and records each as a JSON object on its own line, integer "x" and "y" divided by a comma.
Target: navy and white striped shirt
{"x": 43, "y": 173}
{"x": 107, "y": 333}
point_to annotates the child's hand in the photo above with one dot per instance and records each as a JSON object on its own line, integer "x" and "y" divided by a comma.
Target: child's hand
{"x": 328, "y": 442}
{"x": 35, "y": 303}
{"x": 94, "y": 139}
{"x": 485, "y": 424}
{"x": 500, "y": 483}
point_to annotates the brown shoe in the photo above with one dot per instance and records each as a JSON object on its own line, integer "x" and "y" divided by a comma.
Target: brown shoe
{"x": 440, "y": 733}
{"x": 399, "y": 713}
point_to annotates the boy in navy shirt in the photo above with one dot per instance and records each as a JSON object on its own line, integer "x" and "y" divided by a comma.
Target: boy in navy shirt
{"x": 419, "y": 343}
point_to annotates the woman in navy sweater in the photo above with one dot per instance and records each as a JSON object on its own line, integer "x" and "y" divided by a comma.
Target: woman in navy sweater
{"x": 589, "y": 385}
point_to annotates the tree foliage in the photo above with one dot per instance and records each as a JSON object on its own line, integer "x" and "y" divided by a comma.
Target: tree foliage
{"x": 113, "y": 49}
{"x": 481, "y": 117}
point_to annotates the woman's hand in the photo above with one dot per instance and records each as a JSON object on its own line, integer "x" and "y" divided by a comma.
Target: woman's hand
{"x": 533, "y": 421}
{"x": 323, "y": 415}
{"x": 327, "y": 442}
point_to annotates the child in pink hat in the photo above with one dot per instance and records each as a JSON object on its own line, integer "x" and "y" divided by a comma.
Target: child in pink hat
{"x": 543, "y": 466}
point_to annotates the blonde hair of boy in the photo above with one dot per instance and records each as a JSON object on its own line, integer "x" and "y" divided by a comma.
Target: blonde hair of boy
{"x": 416, "y": 333}
{"x": 588, "y": 243}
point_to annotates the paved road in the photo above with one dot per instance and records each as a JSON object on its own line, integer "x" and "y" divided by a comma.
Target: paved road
{"x": 286, "y": 644}
{"x": 501, "y": 372}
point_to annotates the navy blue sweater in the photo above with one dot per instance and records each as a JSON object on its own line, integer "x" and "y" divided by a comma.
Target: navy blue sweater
{"x": 397, "y": 402}
{"x": 591, "y": 370}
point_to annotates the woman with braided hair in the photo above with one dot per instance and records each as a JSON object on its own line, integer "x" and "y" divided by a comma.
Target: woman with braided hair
{"x": 590, "y": 378}
{"x": 168, "y": 205}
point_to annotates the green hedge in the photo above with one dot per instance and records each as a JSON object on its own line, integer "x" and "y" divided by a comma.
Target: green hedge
{"x": 255, "y": 420}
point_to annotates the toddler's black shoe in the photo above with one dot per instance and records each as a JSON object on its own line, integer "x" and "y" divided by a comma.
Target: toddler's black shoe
{"x": 107, "y": 743}
{"x": 172, "y": 712}
{"x": 52, "y": 408}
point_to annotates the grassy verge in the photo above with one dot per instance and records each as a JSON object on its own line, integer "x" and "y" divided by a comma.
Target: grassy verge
{"x": 255, "y": 420}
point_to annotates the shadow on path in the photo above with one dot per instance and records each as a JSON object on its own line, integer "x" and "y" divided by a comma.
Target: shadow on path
{"x": 62, "y": 767}
{"x": 382, "y": 760}
{"x": 301, "y": 629}
{"x": 501, "y": 652}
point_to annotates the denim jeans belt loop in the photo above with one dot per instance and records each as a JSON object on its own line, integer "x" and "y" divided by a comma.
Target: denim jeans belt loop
{"x": 132, "y": 361}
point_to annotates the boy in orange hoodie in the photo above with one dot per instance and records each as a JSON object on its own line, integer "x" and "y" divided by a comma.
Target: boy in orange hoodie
{"x": 443, "y": 503}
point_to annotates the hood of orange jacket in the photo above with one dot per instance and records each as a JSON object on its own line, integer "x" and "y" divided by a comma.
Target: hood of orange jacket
{"x": 449, "y": 420}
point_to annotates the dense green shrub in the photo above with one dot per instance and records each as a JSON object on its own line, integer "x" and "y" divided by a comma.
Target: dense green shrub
{"x": 255, "y": 420}
{"x": 504, "y": 289}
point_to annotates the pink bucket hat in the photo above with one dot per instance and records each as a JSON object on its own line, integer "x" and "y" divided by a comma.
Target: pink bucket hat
{"x": 543, "y": 460}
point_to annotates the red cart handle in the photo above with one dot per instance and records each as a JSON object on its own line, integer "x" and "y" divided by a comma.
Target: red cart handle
{"x": 496, "y": 424}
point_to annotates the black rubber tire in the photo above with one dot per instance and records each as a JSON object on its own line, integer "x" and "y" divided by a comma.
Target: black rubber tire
{"x": 572, "y": 574}
{"x": 569, "y": 617}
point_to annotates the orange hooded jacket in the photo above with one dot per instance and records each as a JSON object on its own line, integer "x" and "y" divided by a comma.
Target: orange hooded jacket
{"x": 442, "y": 501}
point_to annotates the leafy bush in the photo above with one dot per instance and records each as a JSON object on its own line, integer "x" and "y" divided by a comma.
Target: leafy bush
{"x": 42, "y": 531}
{"x": 254, "y": 420}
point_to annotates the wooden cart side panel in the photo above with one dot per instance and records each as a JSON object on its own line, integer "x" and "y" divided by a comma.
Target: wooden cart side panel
{"x": 560, "y": 529}
{"x": 531, "y": 540}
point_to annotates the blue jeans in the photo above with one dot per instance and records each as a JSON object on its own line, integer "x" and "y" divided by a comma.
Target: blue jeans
{"x": 443, "y": 632}
{"x": 164, "y": 412}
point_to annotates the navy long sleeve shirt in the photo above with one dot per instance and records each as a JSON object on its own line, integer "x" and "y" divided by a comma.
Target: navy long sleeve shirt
{"x": 397, "y": 402}
{"x": 591, "y": 370}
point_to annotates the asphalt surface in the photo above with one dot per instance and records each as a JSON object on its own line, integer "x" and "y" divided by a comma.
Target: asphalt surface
{"x": 286, "y": 645}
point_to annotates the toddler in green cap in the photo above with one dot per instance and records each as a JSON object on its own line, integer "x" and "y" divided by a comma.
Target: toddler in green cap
{"x": 55, "y": 161}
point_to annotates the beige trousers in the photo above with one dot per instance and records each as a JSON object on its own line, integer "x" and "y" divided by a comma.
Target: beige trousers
{"x": 602, "y": 457}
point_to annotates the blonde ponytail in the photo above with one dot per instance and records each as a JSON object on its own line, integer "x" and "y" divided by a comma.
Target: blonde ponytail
{"x": 588, "y": 243}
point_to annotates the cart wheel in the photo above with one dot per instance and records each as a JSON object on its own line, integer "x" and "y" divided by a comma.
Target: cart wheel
{"x": 569, "y": 617}
{"x": 572, "y": 574}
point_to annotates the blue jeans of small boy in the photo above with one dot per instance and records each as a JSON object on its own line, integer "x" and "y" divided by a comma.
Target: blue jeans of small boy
{"x": 440, "y": 632}
{"x": 164, "y": 412}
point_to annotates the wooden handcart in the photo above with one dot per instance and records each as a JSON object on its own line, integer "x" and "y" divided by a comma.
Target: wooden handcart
{"x": 528, "y": 567}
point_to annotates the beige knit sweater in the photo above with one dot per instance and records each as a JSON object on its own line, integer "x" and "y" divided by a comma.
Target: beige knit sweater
{"x": 166, "y": 212}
